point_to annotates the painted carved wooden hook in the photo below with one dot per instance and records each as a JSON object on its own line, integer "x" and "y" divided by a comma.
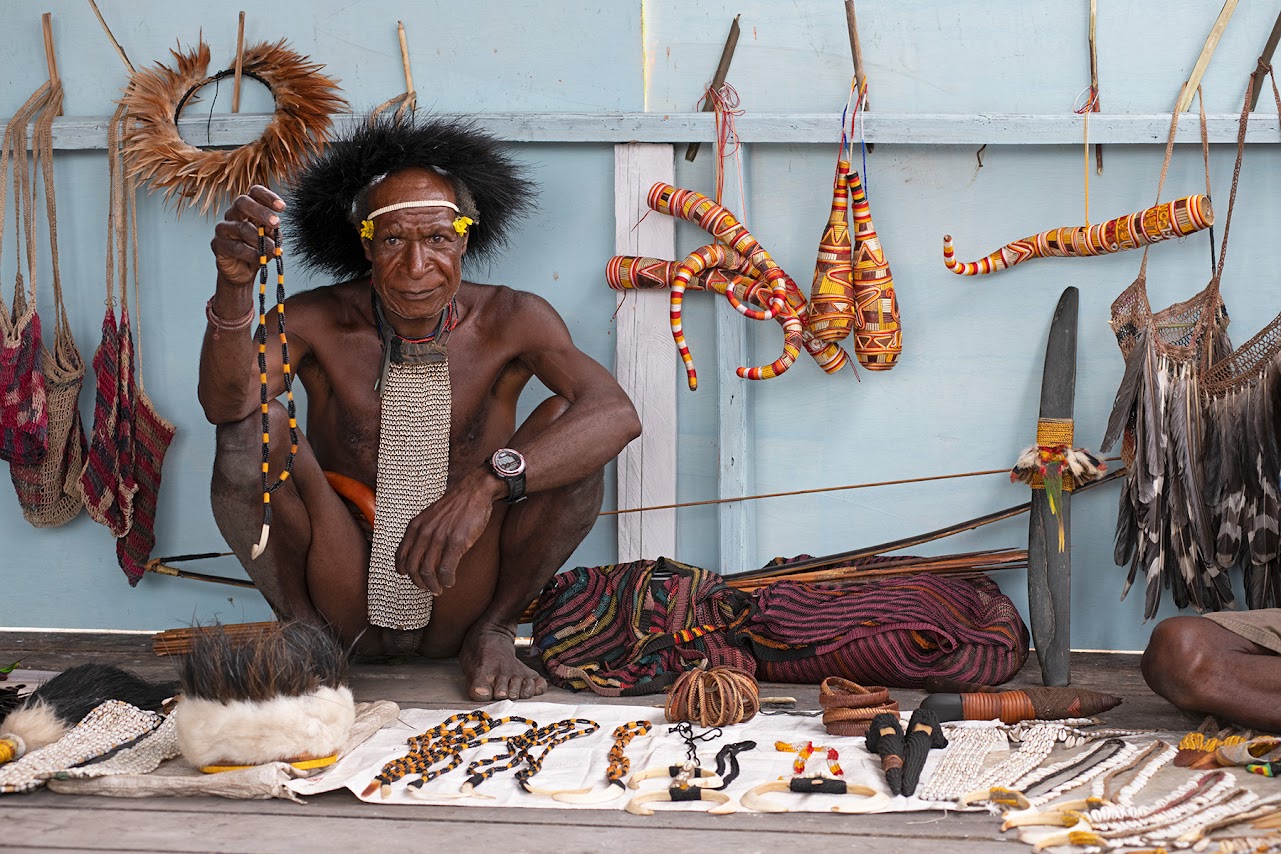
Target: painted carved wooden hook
{"x": 1178, "y": 218}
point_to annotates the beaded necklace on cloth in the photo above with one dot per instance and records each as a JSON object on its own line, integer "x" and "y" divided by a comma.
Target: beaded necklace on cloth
{"x": 413, "y": 461}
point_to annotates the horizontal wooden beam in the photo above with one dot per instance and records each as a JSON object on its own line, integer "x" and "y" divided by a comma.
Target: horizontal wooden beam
{"x": 794, "y": 128}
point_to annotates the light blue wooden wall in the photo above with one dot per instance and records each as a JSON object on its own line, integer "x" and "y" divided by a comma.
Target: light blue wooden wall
{"x": 964, "y": 395}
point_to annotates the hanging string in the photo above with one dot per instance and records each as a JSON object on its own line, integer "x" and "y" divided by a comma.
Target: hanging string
{"x": 1084, "y": 110}
{"x": 725, "y": 107}
{"x": 899, "y": 482}
{"x": 858, "y": 96}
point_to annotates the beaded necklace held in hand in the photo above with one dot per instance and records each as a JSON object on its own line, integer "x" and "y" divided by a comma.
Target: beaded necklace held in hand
{"x": 269, "y": 487}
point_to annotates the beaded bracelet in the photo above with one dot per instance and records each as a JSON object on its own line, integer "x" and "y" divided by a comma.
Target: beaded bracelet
{"x": 228, "y": 326}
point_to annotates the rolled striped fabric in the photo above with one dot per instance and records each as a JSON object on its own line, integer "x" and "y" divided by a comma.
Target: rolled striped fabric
{"x": 633, "y": 628}
{"x": 894, "y": 632}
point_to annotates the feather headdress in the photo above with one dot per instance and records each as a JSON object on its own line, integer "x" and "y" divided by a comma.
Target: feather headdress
{"x": 318, "y": 221}
{"x": 272, "y": 697}
{"x": 305, "y": 100}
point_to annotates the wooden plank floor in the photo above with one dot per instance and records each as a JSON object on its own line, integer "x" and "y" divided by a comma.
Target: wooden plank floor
{"x": 44, "y": 821}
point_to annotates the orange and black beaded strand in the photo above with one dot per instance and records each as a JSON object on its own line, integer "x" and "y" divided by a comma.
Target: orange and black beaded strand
{"x": 619, "y": 764}
{"x": 556, "y": 735}
{"x": 520, "y": 751}
{"x": 269, "y": 487}
{"x": 453, "y": 745}
{"x": 514, "y": 750}
{"x": 439, "y": 743}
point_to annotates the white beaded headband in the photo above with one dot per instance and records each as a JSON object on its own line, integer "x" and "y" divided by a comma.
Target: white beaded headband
{"x": 461, "y": 223}
{"x": 422, "y": 203}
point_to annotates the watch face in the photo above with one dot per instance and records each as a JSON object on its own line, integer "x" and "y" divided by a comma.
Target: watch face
{"x": 508, "y": 462}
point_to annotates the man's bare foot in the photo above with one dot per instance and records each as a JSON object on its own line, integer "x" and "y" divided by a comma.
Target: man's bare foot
{"x": 491, "y": 669}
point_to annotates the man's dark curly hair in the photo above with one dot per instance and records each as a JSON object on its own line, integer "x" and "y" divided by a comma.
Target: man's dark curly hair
{"x": 328, "y": 198}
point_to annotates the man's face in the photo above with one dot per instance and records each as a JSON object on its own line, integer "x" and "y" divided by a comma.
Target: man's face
{"x": 416, "y": 253}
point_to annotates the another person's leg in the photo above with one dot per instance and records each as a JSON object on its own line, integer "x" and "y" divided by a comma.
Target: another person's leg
{"x": 313, "y": 568}
{"x": 504, "y": 571}
{"x": 1200, "y": 665}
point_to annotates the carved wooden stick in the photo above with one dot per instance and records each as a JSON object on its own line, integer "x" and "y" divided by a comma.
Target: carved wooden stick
{"x": 240, "y": 58}
{"x": 1178, "y": 218}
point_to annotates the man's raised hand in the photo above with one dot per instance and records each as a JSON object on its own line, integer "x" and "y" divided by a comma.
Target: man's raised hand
{"x": 235, "y": 241}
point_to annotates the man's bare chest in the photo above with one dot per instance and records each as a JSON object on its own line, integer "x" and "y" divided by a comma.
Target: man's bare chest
{"x": 344, "y": 414}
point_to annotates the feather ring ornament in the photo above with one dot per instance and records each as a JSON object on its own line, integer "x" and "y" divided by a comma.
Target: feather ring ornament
{"x": 1056, "y": 467}
{"x": 196, "y": 177}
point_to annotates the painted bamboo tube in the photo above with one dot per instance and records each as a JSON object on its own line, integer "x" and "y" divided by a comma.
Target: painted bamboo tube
{"x": 737, "y": 282}
{"x": 1178, "y": 218}
{"x": 718, "y": 255}
{"x": 831, "y": 305}
{"x": 721, "y": 224}
{"x": 878, "y": 335}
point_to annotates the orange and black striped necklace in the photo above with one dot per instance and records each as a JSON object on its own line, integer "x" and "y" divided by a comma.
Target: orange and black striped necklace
{"x": 269, "y": 486}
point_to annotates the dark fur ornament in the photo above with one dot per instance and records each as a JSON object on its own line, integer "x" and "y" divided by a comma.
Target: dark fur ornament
{"x": 319, "y": 223}
{"x": 49, "y": 712}
{"x": 273, "y": 697}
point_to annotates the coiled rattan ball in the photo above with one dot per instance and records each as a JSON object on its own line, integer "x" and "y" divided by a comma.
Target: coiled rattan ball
{"x": 717, "y": 697}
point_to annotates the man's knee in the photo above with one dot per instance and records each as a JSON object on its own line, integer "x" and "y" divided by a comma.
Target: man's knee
{"x": 1178, "y": 663}
{"x": 236, "y": 441}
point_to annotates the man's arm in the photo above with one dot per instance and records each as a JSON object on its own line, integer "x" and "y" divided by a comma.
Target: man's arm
{"x": 600, "y": 420}
{"x": 230, "y": 386}
{"x": 598, "y": 423}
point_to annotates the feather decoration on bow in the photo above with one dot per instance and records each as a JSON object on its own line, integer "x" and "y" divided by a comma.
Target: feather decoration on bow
{"x": 1057, "y": 468}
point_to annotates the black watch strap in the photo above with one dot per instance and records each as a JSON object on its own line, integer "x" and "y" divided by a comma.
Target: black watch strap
{"x": 515, "y": 488}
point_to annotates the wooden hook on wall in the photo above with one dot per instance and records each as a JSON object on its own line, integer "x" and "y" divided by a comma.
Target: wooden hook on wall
{"x": 411, "y": 97}
{"x": 240, "y": 56}
{"x": 46, "y": 23}
{"x": 119, "y": 50}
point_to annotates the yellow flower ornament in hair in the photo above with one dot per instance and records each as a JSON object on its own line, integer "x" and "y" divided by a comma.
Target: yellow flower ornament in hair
{"x": 461, "y": 223}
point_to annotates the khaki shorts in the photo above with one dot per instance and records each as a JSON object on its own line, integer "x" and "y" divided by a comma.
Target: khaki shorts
{"x": 1262, "y": 626}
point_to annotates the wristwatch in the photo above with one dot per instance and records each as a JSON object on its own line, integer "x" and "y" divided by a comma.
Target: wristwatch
{"x": 509, "y": 466}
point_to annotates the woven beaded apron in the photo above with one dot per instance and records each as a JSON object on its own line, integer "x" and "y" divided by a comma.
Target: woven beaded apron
{"x": 413, "y": 464}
